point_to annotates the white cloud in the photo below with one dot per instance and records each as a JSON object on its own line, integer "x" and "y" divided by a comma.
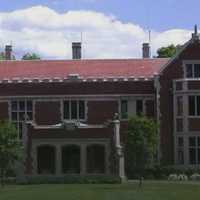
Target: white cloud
{"x": 49, "y": 33}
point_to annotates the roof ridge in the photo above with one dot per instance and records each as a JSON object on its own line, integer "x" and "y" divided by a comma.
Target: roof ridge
{"x": 71, "y": 60}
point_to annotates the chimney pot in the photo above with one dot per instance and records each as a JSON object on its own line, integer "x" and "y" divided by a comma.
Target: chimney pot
{"x": 76, "y": 50}
{"x": 146, "y": 50}
{"x": 195, "y": 35}
{"x": 8, "y": 52}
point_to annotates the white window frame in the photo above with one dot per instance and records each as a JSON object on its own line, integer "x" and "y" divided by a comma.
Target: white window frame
{"x": 182, "y": 148}
{"x": 70, "y": 113}
{"x": 191, "y": 62}
{"x": 195, "y": 115}
{"x": 196, "y": 147}
{"x": 26, "y": 111}
{"x": 135, "y": 100}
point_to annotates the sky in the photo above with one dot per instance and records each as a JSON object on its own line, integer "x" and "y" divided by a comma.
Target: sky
{"x": 110, "y": 28}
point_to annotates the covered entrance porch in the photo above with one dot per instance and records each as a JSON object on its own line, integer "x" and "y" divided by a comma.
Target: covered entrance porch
{"x": 75, "y": 156}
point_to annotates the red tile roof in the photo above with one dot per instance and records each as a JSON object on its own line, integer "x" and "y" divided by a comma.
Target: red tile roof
{"x": 85, "y": 68}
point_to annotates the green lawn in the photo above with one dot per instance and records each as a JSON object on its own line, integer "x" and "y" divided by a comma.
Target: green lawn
{"x": 150, "y": 191}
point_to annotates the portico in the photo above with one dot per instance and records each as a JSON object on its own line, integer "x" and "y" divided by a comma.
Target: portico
{"x": 70, "y": 156}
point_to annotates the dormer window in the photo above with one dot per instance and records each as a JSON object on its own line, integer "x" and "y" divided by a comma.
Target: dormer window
{"x": 192, "y": 70}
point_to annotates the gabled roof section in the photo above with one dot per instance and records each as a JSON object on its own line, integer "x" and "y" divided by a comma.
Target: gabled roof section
{"x": 195, "y": 38}
{"x": 83, "y": 69}
{"x": 175, "y": 56}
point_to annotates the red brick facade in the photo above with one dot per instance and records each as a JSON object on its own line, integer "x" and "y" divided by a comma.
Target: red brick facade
{"x": 47, "y": 108}
{"x": 4, "y": 111}
{"x": 102, "y": 99}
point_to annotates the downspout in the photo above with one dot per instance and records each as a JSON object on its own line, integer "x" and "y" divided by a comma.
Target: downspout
{"x": 158, "y": 114}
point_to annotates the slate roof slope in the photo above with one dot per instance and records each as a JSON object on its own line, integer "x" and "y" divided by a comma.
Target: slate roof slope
{"x": 113, "y": 68}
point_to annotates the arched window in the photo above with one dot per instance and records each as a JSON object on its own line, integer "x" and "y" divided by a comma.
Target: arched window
{"x": 96, "y": 159}
{"x": 46, "y": 159}
{"x": 71, "y": 159}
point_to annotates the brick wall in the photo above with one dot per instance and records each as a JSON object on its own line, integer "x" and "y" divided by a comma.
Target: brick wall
{"x": 47, "y": 112}
{"x": 79, "y": 88}
{"x": 174, "y": 71}
{"x": 101, "y": 111}
{"x": 4, "y": 111}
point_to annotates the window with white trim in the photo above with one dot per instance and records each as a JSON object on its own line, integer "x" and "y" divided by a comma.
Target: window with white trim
{"x": 124, "y": 109}
{"x": 131, "y": 108}
{"x": 74, "y": 110}
{"x": 192, "y": 70}
{"x": 139, "y": 107}
{"x": 194, "y": 150}
{"x": 194, "y": 105}
{"x": 21, "y": 110}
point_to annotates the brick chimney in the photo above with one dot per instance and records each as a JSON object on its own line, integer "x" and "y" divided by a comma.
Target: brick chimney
{"x": 146, "y": 50}
{"x": 8, "y": 52}
{"x": 76, "y": 50}
{"x": 195, "y": 35}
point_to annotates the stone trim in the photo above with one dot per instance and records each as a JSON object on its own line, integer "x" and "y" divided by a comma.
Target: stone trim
{"x": 87, "y": 97}
{"x": 36, "y": 80}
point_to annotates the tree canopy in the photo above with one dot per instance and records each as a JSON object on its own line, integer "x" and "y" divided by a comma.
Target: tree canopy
{"x": 3, "y": 57}
{"x": 141, "y": 145}
{"x": 10, "y": 148}
{"x": 168, "y": 52}
{"x": 31, "y": 56}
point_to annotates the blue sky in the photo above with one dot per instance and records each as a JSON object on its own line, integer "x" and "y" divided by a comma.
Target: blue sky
{"x": 158, "y": 14}
{"x": 49, "y": 26}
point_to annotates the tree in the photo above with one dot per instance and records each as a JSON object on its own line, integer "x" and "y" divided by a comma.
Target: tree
{"x": 10, "y": 148}
{"x": 3, "y": 57}
{"x": 168, "y": 52}
{"x": 141, "y": 144}
{"x": 31, "y": 56}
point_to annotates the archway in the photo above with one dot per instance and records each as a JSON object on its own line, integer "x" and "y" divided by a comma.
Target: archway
{"x": 46, "y": 159}
{"x": 71, "y": 159}
{"x": 96, "y": 159}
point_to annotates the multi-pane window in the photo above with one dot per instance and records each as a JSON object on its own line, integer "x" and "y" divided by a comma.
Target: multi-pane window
{"x": 131, "y": 107}
{"x": 194, "y": 150}
{"x": 189, "y": 70}
{"x": 192, "y": 70}
{"x": 21, "y": 110}
{"x": 194, "y": 105}
{"x": 74, "y": 109}
{"x": 179, "y": 106}
{"x": 180, "y": 150}
{"x": 139, "y": 107}
{"x": 124, "y": 109}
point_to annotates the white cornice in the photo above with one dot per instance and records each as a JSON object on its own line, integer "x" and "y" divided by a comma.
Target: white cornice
{"x": 36, "y": 80}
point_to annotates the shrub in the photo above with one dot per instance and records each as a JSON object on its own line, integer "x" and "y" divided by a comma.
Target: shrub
{"x": 195, "y": 177}
{"x": 163, "y": 172}
{"x": 173, "y": 177}
{"x": 70, "y": 179}
{"x": 182, "y": 177}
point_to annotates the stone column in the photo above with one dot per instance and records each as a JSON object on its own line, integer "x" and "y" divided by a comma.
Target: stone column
{"x": 83, "y": 163}
{"x": 119, "y": 150}
{"x": 58, "y": 161}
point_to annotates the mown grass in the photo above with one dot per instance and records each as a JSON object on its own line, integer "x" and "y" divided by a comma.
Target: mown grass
{"x": 130, "y": 191}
